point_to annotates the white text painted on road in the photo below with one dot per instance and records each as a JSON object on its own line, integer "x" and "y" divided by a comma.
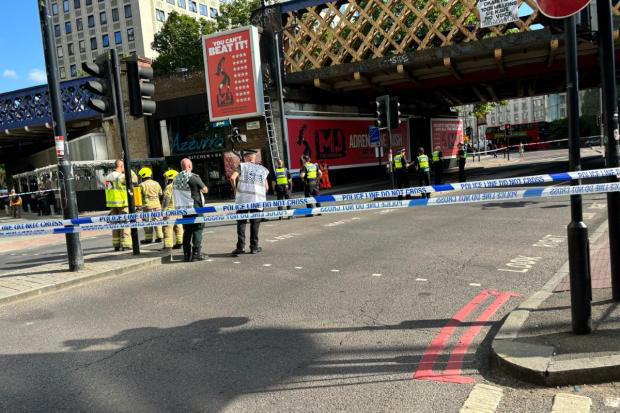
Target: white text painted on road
{"x": 520, "y": 264}
{"x": 550, "y": 241}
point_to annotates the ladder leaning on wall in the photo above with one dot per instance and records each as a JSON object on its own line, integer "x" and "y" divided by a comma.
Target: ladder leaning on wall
{"x": 271, "y": 133}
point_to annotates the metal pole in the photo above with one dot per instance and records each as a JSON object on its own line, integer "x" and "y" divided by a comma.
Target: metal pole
{"x": 283, "y": 126}
{"x": 122, "y": 126}
{"x": 65, "y": 169}
{"x": 610, "y": 116}
{"x": 389, "y": 131}
{"x": 578, "y": 244}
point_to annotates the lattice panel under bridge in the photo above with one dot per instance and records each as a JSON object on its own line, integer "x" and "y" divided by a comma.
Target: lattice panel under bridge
{"x": 348, "y": 31}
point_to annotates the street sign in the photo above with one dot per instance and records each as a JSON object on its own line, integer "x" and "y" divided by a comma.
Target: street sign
{"x": 220, "y": 123}
{"x": 374, "y": 136}
{"x": 555, "y": 9}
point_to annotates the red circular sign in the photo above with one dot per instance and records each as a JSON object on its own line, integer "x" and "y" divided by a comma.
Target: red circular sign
{"x": 563, "y": 8}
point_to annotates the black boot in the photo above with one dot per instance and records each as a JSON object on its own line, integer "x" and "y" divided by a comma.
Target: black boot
{"x": 197, "y": 255}
{"x": 187, "y": 254}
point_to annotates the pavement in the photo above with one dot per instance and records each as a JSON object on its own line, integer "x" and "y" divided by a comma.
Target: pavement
{"x": 536, "y": 344}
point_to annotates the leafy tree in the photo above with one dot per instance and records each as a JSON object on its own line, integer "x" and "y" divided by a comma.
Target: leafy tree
{"x": 235, "y": 13}
{"x": 481, "y": 109}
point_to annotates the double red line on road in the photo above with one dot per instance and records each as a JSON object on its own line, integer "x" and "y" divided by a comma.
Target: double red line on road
{"x": 452, "y": 372}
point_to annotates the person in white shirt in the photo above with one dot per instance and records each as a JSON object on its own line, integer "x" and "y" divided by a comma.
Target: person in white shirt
{"x": 250, "y": 185}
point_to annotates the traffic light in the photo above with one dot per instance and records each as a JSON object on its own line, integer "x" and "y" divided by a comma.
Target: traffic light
{"x": 104, "y": 100}
{"x": 237, "y": 137}
{"x": 394, "y": 112}
{"x": 140, "y": 89}
{"x": 382, "y": 103}
{"x": 507, "y": 127}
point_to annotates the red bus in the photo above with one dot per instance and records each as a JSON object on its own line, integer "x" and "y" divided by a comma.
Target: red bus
{"x": 536, "y": 134}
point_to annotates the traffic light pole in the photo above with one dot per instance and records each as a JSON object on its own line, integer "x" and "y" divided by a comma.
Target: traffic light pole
{"x": 610, "y": 113}
{"x": 389, "y": 131}
{"x": 65, "y": 169}
{"x": 120, "y": 112}
{"x": 577, "y": 231}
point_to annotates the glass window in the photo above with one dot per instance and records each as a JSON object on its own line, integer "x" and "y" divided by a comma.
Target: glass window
{"x": 204, "y": 10}
{"x": 57, "y": 30}
{"x": 91, "y": 21}
{"x": 516, "y": 117}
{"x": 115, "y": 15}
{"x": 171, "y": 2}
{"x": 563, "y": 112}
{"x": 105, "y": 39}
{"x": 78, "y": 25}
{"x": 103, "y": 18}
{"x": 182, "y": 3}
{"x": 59, "y": 52}
{"x": 127, "y": 11}
{"x": 93, "y": 43}
{"x": 73, "y": 71}
{"x": 89, "y": 2}
{"x": 68, "y": 27}
{"x": 118, "y": 39}
{"x": 76, "y": 4}
{"x": 192, "y": 6}
{"x": 65, "y": 5}
{"x": 70, "y": 49}
{"x": 130, "y": 37}
{"x": 82, "y": 46}
{"x": 160, "y": 15}
{"x": 213, "y": 12}
{"x": 63, "y": 73}
{"x": 55, "y": 9}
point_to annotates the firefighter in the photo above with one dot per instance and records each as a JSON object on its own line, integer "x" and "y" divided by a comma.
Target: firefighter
{"x": 116, "y": 200}
{"x": 282, "y": 184}
{"x": 325, "y": 183}
{"x": 310, "y": 174}
{"x": 438, "y": 165}
{"x": 168, "y": 205}
{"x": 424, "y": 173}
{"x": 151, "y": 194}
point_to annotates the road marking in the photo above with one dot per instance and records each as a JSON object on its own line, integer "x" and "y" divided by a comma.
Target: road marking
{"x": 283, "y": 237}
{"x": 335, "y": 270}
{"x": 421, "y": 279}
{"x": 589, "y": 215}
{"x": 299, "y": 268}
{"x": 570, "y": 403}
{"x": 550, "y": 241}
{"x": 482, "y": 399}
{"x": 209, "y": 260}
{"x": 475, "y": 284}
{"x": 597, "y": 205}
{"x": 522, "y": 262}
{"x": 209, "y": 232}
{"x": 376, "y": 274}
{"x": 266, "y": 265}
{"x": 236, "y": 262}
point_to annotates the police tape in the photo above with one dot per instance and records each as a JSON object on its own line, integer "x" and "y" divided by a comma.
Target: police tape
{"x": 501, "y": 196}
{"x": 359, "y": 196}
{"x": 28, "y": 193}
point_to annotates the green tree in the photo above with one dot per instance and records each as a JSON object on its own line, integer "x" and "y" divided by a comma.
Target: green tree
{"x": 235, "y": 13}
{"x": 179, "y": 43}
{"x": 481, "y": 109}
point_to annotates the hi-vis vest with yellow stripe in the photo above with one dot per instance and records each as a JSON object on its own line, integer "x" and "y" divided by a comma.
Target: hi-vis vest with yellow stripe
{"x": 115, "y": 191}
{"x": 398, "y": 161}
{"x": 423, "y": 162}
{"x": 436, "y": 156}
{"x": 310, "y": 171}
{"x": 281, "y": 178}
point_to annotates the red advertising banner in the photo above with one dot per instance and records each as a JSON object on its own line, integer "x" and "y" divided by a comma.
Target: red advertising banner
{"x": 339, "y": 142}
{"x": 556, "y": 9}
{"x": 233, "y": 75}
{"x": 447, "y": 134}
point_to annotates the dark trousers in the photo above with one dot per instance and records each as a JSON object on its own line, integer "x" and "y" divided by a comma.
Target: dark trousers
{"x": 461, "y": 170}
{"x": 438, "y": 169}
{"x": 311, "y": 190}
{"x": 402, "y": 178}
{"x": 282, "y": 192}
{"x": 192, "y": 237}
{"x": 254, "y": 227}
{"x": 425, "y": 179}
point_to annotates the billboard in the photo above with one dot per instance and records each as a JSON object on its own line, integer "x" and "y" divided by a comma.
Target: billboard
{"x": 447, "y": 134}
{"x": 339, "y": 142}
{"x": 233, "y": 74}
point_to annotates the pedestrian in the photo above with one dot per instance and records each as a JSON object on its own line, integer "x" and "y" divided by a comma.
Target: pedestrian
{"x": 494, "y": 147}
{"x": 424, "y": 173}
{"x": 325, "y": 183}
{"x": 461, "y": 156}
{"x": 521, "y": 151}
{"x": 282, "y": 184}
{"x": 250, "y": 185}
{"x": 151, "y": 193}
{"x": 168, "y": 205}
{"x": 116, "y": 200}
{"x": 310, "y": 175}
{"x": 438, "y": 165}
{"x": 15, "y": 204}
{"x": 400, "y": 167}
{"x": 188, "y": 190}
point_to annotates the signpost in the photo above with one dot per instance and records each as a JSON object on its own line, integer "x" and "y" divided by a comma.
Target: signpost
{"x": 374, "y": 135}
{"x": 561, "y": 9}
{"x": 496, "y": 12}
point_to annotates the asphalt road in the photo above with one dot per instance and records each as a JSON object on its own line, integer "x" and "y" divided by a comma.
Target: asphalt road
{"x": 337, "y": 314}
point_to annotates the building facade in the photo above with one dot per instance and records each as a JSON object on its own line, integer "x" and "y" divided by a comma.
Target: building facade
{"x": 84, "y": 29}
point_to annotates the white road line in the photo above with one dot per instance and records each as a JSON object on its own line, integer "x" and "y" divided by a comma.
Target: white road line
{"x": 266, "y": 265}
{"x": 299, "y": 268}
{"x": 376, "y": 274}
{"x": 474, "y": 284}
{"x": 482, "y": 399}
{"x": 236, "y": 262}
{"x": 209, "y": 260}
{"x": 571, "y": 403}
{"x": 335, "y": 270}
{"x": 421, "y": 279}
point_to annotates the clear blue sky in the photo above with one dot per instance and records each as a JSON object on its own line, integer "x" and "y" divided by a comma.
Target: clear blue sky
{"x": 22, "y": 63}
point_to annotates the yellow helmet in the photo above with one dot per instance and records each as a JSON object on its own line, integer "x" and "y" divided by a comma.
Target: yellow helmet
{"x": 170, "y": 174}
{"x": 145, "y": 172}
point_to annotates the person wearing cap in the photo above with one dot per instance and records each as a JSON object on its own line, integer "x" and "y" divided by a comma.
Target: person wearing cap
{"x": 424, "y": 171}
{"x": 282, "y": 183}
{"x": 438, "y": 165}
{"x": 249, "y": 182}
{"x": 151, "y": 194}
{"x": 168, "y": 205}
{"x": 400, "y": 167}
{"x": 310, "y": 174}
{"x": 461, "y": 156}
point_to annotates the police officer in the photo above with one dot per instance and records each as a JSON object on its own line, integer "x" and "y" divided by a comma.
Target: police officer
{"x": 461, "y": 156}
{"x": 438, "y": 165}
{"x": 282, "y": 184}
{"x": 116, "y": 200}
{"x": 168, "y": 205}
{"x": 400, "y": 166}
{"x": 310, "y": 175}
{"x": 151, "y": 194}
{"x": 424, "y": 173}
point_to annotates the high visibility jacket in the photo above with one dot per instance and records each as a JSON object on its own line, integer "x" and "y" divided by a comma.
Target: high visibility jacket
{"x": 281, "y": 176}
{"x": 398, "y": 162}
{"x": 423, "y": 162}
{"x": 151, "y": 192}
{"x": 310, "y": 171}
{"x": 462, "y": 153}
{"x": 436, "y": 157}
{"x": 15, "y": 201}
{"x": 115, "y": 190}
{"x": 168, "y": 203}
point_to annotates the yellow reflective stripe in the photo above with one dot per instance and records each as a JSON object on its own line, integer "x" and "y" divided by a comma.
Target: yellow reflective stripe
{"x": 398, "y": 163}
{"x": 311, "y": 171}
{"x": 281, "y": 176}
